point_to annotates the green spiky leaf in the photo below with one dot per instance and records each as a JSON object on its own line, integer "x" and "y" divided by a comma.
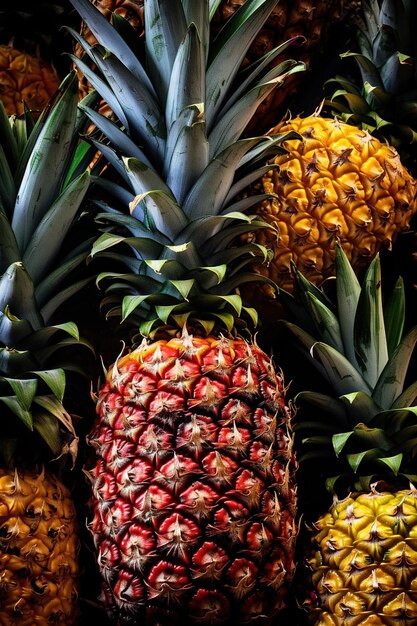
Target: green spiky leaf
{"x": 361, "y": 406}
{"x": 348, "y": 292}
{"x": 394, "y": 316}
{"x": 46, "y": 425}
{"x": 55, "y": 379}
{"x": 393, "y": 462}
{"x": 46, "y": 167}
{"x": 24, "y": 390}
{"x": 369, "y": 333}
{"x": 391, "y": 382}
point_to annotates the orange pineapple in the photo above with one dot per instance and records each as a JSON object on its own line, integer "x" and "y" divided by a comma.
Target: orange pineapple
{"x": 38, "y": 357}
{"x": 336, "y": 182}
{"x": 25, "y": 79}
{"x": 32, "y": 46}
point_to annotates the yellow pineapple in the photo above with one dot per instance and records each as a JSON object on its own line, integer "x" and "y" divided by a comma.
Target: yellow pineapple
{"x": 32, "y": 46}
{"x": 336, "y": 183}
{"x": 370, "y": 534}
{"x": 357, "y": 440}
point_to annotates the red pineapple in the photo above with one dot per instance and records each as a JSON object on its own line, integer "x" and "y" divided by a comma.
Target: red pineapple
{"x": 194, "y": 484}
{"x": 194, "y": 487}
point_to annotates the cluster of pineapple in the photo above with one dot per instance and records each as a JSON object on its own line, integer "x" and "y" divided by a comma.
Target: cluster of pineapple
{"x": 154, "y": 174}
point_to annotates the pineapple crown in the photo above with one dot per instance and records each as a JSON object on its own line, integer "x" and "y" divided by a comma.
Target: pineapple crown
{"x": 40, "y": 200}
{"x": 366, "y": 430}
{"x": 178, "y": 161}
{"x": 384, "y": 100}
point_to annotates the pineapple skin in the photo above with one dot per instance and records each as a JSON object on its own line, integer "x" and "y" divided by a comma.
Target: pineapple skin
{"x": 38, "y": 550}
{"x": 25, "y": 79}
{"x": 338, "y": 183}
{"x": 363, "y": 561}
{"x": 194, "y": 486}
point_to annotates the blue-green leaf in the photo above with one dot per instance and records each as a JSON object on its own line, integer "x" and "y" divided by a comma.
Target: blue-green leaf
{"x": 229, "y": 50}
{"x": 394, "y": 315}
{"x": 18, "y": 294}
{"x": 339, "y": 372}
{"x": 208, "y": 194}
{"x": 142, "y": 111}
{"x": 125, "y": 145}
{"x": 53, "y": 227}
{"x": 233, "y": 122}
{"x": 108, "y": 37}
{"x": 391, "y": 381}
{"x": 165, "y": 28}
{"x": 189, "y": 159}
{"x": 46, "y": 167}
{"x": 326, "y": 322}
{"x": 187, "y": 82}
{"x": 163, "y": 210}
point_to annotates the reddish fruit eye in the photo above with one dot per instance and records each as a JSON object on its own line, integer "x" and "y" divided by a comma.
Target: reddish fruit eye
{"x": 105, "y": 486}
{"x": 248, "y": 483}
{"x": 197, "y": 432}
{"x": 168, "y": 580}
{"x": 128, "y": 588}
{"x": 166, "y": 402}
{"x": 118, "y": 514}
{"x": 208, "y": 393}
{"x": 274, "y": 570}
{"x": 109, "y": 554}
{"x": 209, "y": 606}
{"x": 138, "y": 540}
{"x": 219, "y": 466}
{"x": 178, "y": 469}
{"x": 259, "y": 537}
{"x": 154, "y": 440}
{"x": 151, "y": 502}
{"x": 236, "y": 411}
{"x": 137, "y": 472}
{"x": 209, "y": 560}
{"x": 198, "y": 498}
{"x": 242, "y": 572}
{"x": 177, "y": 534}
